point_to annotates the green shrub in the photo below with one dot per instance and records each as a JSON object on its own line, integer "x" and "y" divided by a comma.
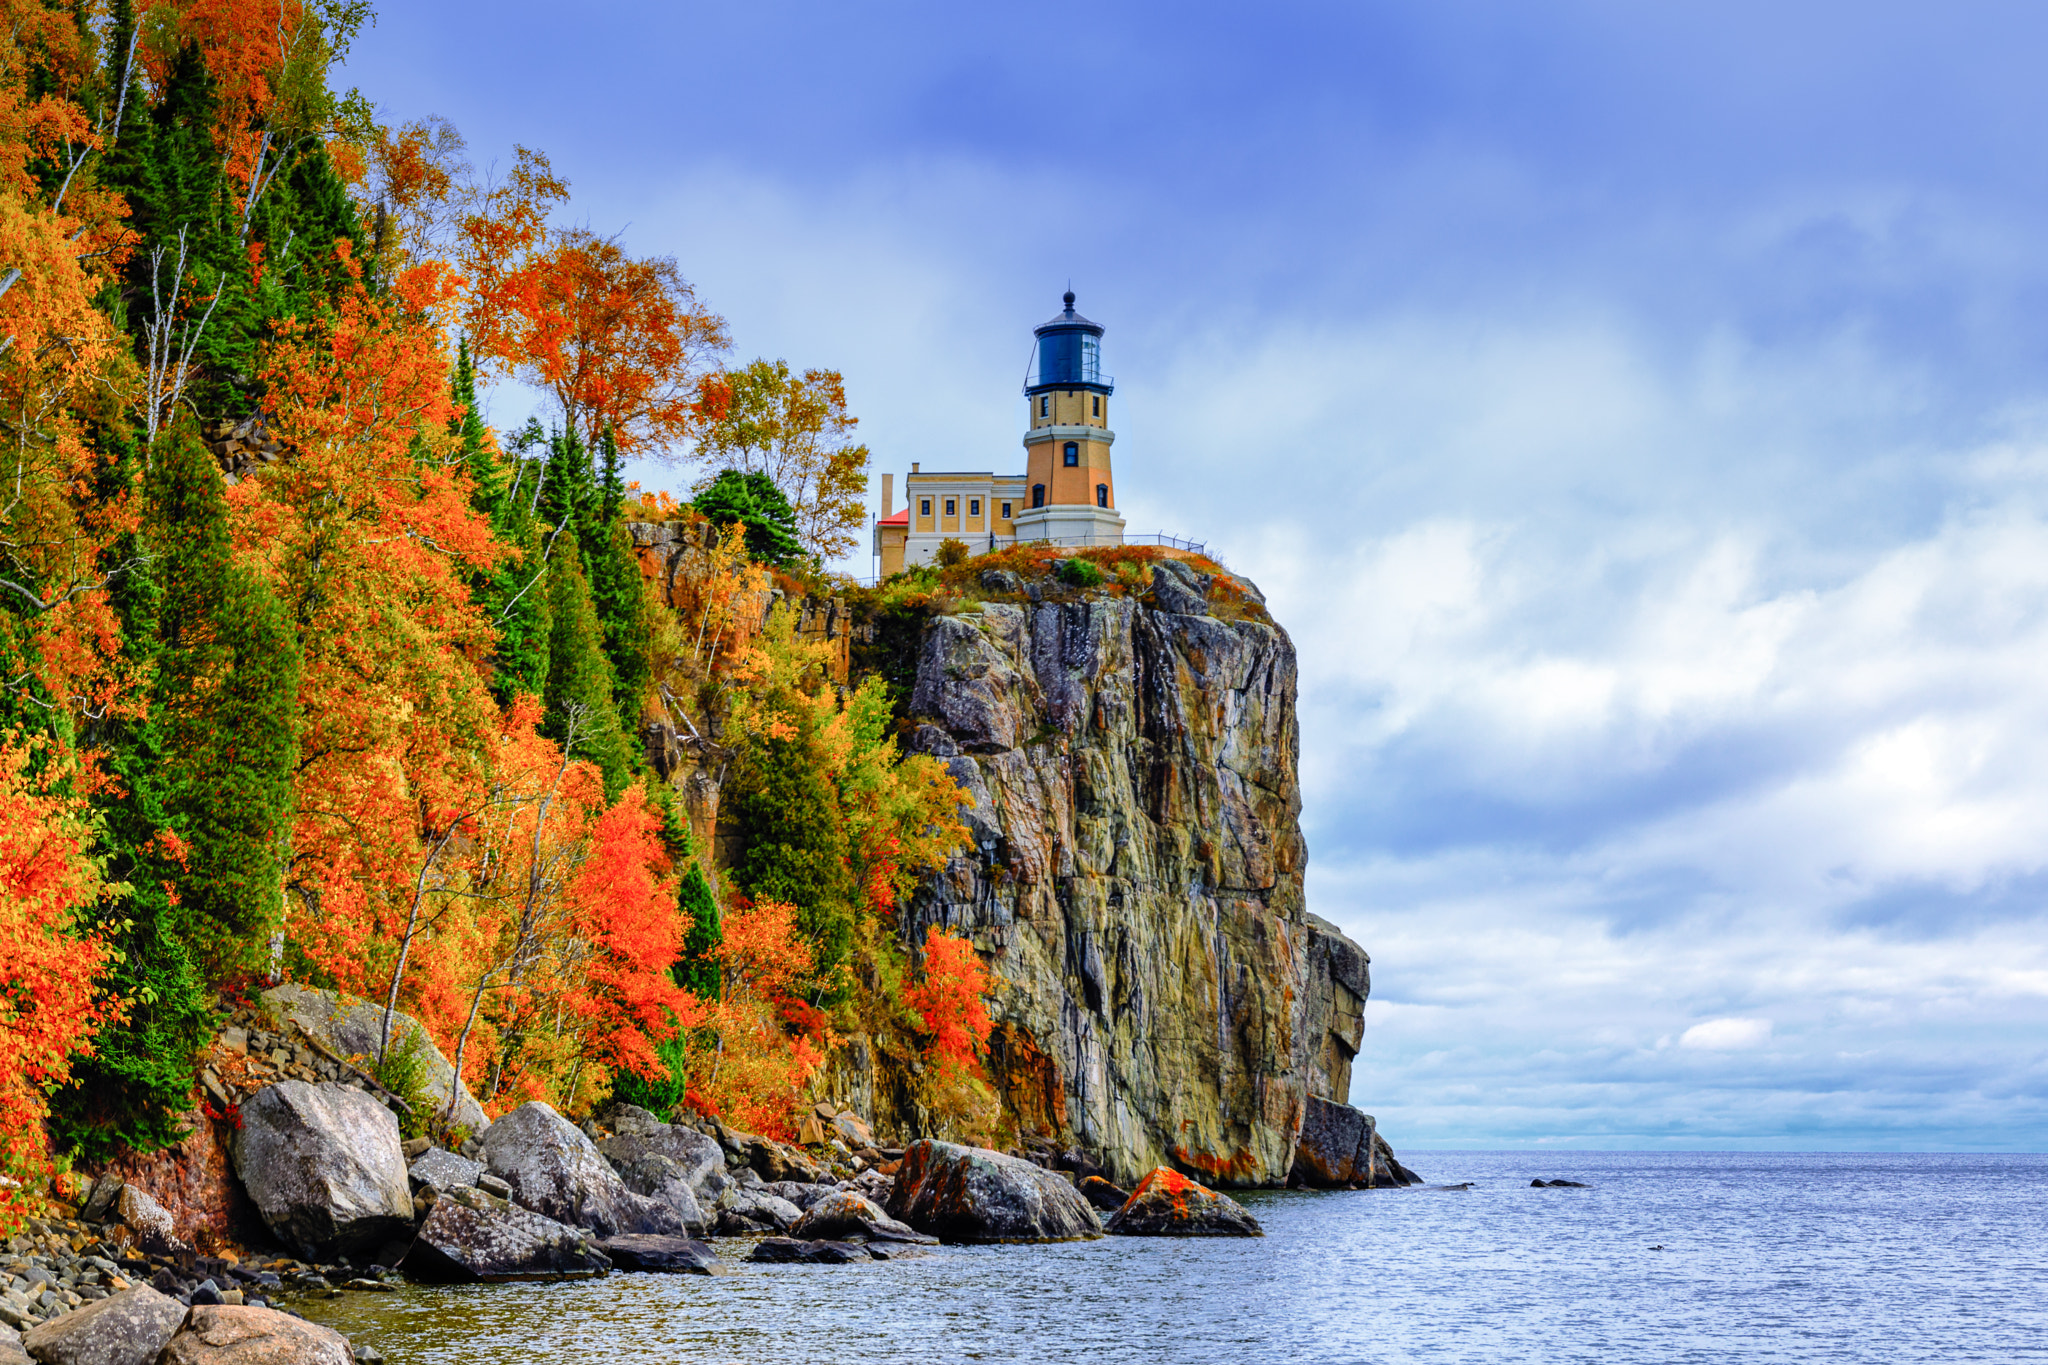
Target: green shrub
{"x": 403, "y": 1071}
{"x": 1081, "y": 573}
{"x": 952, "y": 552}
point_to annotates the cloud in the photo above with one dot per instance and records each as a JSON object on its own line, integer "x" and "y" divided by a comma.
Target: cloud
{"x": 1727, "y": 1035}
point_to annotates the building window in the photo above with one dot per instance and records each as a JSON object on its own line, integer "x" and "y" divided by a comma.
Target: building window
{"x": 974, "y": 507}
{"x": 1102, "y": 495}
{"x": 1073, "y": 454}
{"x": 924, "y": 507}
{"x": 1045, "y": 405}
{"x": 1038, "y": 495}
{"x": 1006, "y": 511}
{"x": 1097, "y": 400}
{"x": 952, "y": 508}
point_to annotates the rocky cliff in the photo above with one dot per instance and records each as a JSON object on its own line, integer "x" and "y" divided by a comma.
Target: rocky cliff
{"x": 1136, "y": 875}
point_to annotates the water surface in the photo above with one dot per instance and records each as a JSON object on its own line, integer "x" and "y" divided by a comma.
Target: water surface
{"x": 1764, "y": 1258}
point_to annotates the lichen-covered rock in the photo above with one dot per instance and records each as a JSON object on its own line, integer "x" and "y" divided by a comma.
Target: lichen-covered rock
{"x": 469, "y": 1236}
{"x": 555, "y": 1170}
{"x": 324, "y": 1165}
{"x": 791, "y": 1251}
{"x": 742, "y": 1211}
{"x": 971, "y": 1194}
{"x": 843, "y": 1215}
{"x": 356, "y": 1029}
{"x": 668, "y": 1255}
{"x": 234, "y": 1335}
{"x": 443, "y": 1170}
{"x": 665, "y": 1180}
{"x": 1334, "y": 1151}
{"x": 637, "y": 1134}
{"x": 1168, "y": 1204}
{"x": 1134, "y": 878}
{"x": 128, "y": 1328}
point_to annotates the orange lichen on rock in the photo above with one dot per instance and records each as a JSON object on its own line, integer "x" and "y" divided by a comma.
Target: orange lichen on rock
{"x": 1168, "y": 1204}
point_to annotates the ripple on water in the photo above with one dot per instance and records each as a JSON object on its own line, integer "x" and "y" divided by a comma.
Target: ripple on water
{"x": 1766, "y": 1258}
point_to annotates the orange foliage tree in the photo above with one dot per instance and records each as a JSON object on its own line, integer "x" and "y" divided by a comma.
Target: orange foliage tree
{"x": 49, "y": 1001}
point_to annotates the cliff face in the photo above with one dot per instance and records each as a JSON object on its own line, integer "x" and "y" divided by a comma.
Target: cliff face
{"x": 1136, "y": 876}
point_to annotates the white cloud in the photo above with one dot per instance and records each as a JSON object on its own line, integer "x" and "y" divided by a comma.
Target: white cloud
{"x": 1726, "y": 1035}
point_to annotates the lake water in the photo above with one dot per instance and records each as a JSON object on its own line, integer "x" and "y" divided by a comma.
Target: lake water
{"x": 1794, "y": 1258}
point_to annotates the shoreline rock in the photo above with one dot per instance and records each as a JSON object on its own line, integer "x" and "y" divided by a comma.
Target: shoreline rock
{"x": 974, "y": 1195}
{"x": 1168, "y": 1204}
{"x": 324, "y": 1165}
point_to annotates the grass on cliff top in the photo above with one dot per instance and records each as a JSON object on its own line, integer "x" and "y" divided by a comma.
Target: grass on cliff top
{"x": 1061, "y": 575}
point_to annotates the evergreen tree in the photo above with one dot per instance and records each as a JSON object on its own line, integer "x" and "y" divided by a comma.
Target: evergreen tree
{"x": 579, "y": 679}
{"x": 754, "y": 501}
{"x": 783, "y": 800}
{"x": 617, "y": 587}
{"x": 697, "y": 970}
{"x": 485, "y": 473}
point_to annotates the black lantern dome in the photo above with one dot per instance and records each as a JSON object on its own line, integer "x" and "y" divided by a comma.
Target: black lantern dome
{"x": 1069, "y": 354}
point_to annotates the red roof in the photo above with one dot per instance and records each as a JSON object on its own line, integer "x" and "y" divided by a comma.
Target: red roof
{"x": 900, "y": 519}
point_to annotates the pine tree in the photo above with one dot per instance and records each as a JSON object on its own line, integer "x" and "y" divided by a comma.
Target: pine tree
{"x": 783, "y": 799}
{"x": 754, "y": 501}
{"x": 617, "y": 587}
{"x": 697, "y": 970}
{"x": 580, "y": 712}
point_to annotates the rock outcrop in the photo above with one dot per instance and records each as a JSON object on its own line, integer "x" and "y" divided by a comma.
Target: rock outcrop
{"x": 973, "y": 1195}
{"x": 845, "y": 1216}
{"x": 324, "y": 1165}
{"x": 1340, "y": 1148}
{"x": 666, "y": 1255}
{"x": 1168, "y": 1204}
{"x": 555, "y": 1170}
{"x": 356, "y": 1029}
{"x": 1135, "y": 877}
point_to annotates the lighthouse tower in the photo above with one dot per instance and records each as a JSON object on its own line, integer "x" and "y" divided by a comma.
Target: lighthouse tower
{"x": 1070, "y": 493}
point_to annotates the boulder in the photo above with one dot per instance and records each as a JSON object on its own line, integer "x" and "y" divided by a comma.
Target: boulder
{"x": 150, "y": 1221}
{"x": 1181, "y": 588}
{"x": 10, "y": 1347}
{"x": 873, "y": 1186}
{"x": 772, "y": 1160}
{"x": 1331, "y": 1152}
{"x": 787, "y": 1250}
{"x": 356, "y": 1030}
{"x": 468, "y": 1237}
{"x": 231, "y": 1335}
{"x": 897, "y": 1251}
{"x": 128, "y": 1328}
{"x": 99, "y": 1202}
{"x": 440, "y": 1169}
{"x": 1101, "y": 1193}
{"x": 743, "y": 1211}
{"x": 637, "y": 1134}
{"x": 845, "y": 1216}
{"x": 553, "y": 1169}
{"x": 665, "y": 1180}
{"x": 1168, "y": 1204}
{"x": 971, "y": 1194}
{"x": 671, "y": 1255}
{"x": 798, "y": 1192}
{"x": 323, "y": 1164}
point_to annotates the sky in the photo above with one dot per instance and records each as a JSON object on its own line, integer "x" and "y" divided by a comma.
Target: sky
{"x": 1636, "y": 414}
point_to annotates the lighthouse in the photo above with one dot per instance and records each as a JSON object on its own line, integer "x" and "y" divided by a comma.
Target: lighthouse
{"x": 1067, "y": 493}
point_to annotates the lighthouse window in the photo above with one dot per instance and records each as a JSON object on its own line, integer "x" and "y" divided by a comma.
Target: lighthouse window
{"x": 1102, "y": 495}
{"x": 1097, "y": 401}
{"x": 1045, "y": 405}
{"x": 1073, "y": 453}
{"x": 1038, "y": 495}
{"x": 1006, "y": 511}
{"x": 974, "y": 507}
{"x": 951, "y": 507}
{"x": 924, "y": 507}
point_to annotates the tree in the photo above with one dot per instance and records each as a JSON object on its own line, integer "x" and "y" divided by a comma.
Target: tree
{"x": 617, "y": 342}
{"x": 754, "y": 501}
{"x": 697, "y": 969}
{"x": 581, "y": 713}
{"x": 796, "y": 430}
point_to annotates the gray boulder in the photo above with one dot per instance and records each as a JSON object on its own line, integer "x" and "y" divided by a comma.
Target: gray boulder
{"x": 443, "y": 1170}
{"x": 789, "y": 1251}
{"x": 324, "y": 1167}
{"x": 741, "y": 1211}
{"x": 10, "y": 1347}
{"x": 234, "y": 1335}
{"x": 357, "y": 1029}
{"x": 99, "y": 1203}
{"x": 637, "y": 1134}
{"x": 971, "y": 1194}
{"x": 128, "y": 1328}
{"x": 798, "y": 1192}
{"x": 665, "y": 1180}
{"x": 553, "y": 1169}
{"x": 470, "y": 1237}
{"x": 844, "y": 1216}
{"x": 667, "y": 1255}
